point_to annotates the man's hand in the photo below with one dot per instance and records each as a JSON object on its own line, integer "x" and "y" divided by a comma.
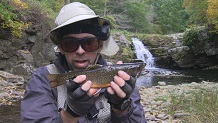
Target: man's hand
{"x": 79, "y": 97}
{"x": 121, "y": 88}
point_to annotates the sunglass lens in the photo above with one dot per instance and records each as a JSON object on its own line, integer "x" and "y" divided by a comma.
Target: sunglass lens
{"x": 91, "y": 44}
{"x": 69, "y": 45}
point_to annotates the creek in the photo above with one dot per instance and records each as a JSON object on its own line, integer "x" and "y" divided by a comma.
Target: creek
{"x": 152, "y": 75}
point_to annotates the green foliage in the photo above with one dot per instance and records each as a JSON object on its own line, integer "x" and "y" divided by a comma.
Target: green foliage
{"x": 201, "y": 105}
{"x": 99, "y": 6}
{"x": 169, "y": 14}
{"x": 124, "y": 14}
{"x": 191, "y": 37}
{"x": 112, "y": 20}
{"x": 10, "y": 19}
{"x": 142, "y": 16}
{"x": 127, "y": 54}
{"x": 196, "y": 10}
{"x": 212, "y": 15}
{"x": 48, "y": 8}
{"x": 136, "y": 13}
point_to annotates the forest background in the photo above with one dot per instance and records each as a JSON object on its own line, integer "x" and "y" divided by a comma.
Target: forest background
{"x": 141, "y": 16}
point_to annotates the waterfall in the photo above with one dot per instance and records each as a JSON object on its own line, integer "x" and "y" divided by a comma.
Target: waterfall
{"x": 143, "y": 53}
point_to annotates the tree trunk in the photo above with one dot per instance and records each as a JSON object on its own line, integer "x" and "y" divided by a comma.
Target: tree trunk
{"x": 105, "y": 7}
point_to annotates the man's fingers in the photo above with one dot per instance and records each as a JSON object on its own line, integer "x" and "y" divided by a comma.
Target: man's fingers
{"x": 80, "y": 78}
{"x": 123, "y": 75}
{"x": 131, "y": 82}
{"x": 73, "y": 84}
{"x": 78, "y": 93}
{"x": 118, "y": 90}
{"x": 119, "y": 81}
{"x": 119, "y": 62}
{"x": 110, "y": 91}
{"x": 127, "y": 89}
{"x": 81, "y": 92}
{"x": 86, "y": 86}
{"x": 93, "y": 91}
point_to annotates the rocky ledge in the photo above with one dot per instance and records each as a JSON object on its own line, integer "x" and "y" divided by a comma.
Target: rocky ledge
{"x": 154, "y": 99}
{"x": 11, "y": 88}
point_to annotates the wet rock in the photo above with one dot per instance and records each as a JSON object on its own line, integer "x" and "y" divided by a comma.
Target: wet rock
{"x": 10, "y": 77}
{"x": 3, "y": 83}
{"x": 24, "y": 56}
{"x": 147, "y": 109}
{"x": 24, "y": 69}
{"x": 151, "y": 117}
{"x": 162, "y": 83}
{"x": 4, "y": 95}
{"x": 162, "y": 116}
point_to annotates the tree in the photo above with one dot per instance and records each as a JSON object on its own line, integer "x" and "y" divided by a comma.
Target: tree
{"x": 212, "y": 14}
{"x": 169, "y": 14}
{"x": 196, "y": 10}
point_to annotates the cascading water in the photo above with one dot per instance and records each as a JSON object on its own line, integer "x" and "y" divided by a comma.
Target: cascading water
{"x": 143, "y": 53}
{"x": 150, "y": 70}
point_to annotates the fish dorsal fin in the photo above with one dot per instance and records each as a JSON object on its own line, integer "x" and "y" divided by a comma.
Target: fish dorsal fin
{"x": 92, "y": 67}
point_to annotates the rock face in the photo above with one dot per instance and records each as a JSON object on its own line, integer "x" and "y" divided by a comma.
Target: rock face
{"x": 23, "y": 55}
{"x": 202, "y": 53}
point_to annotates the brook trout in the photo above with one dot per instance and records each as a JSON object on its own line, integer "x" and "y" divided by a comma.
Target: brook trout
{"x": 101, "y": 76}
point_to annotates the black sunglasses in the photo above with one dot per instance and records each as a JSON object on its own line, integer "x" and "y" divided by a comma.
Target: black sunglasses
{"x": 71, "y": 44}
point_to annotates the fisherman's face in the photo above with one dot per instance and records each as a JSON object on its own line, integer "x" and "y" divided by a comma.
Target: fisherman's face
{"x": 80, "y": 58}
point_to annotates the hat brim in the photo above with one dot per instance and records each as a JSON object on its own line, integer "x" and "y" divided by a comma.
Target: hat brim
{"x": 75, "y": 19}
{"x": 110, "y": 47}
{"x": 53, "y": 33}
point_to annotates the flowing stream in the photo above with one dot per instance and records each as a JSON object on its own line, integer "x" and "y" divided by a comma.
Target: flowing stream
{"x": 152, "y": 75}
{"x": 143, "y": 53}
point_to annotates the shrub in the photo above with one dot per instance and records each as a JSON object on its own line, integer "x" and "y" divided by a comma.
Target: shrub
{"x": 10, "y": 20}
{"x": 190, "y": 37}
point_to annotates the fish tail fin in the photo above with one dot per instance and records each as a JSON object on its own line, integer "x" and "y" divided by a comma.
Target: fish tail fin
{"x": 53, "y": 78}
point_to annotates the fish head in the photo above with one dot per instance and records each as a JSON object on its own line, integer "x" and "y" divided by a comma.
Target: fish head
{"x": 141, "y": 68}
{"x": 135, "y": 69}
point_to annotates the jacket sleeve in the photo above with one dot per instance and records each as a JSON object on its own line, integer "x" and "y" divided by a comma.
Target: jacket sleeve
{"x": 39, "y": 103}
{"x": 136, "y": 112}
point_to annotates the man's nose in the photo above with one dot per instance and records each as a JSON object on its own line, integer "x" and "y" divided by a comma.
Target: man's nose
{"x": 80, "y": 50}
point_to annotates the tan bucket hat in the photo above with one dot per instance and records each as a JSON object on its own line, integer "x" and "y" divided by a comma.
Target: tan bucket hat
{"x": 75, "y": 12}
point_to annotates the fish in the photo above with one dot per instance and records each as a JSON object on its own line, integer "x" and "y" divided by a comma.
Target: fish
{"x": 100, "y": 75}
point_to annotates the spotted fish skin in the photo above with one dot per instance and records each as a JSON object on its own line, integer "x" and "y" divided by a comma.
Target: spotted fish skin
{"x": 101, "y": 76}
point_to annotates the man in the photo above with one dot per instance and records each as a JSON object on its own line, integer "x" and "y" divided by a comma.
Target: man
{"x": 81, "y": 36}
